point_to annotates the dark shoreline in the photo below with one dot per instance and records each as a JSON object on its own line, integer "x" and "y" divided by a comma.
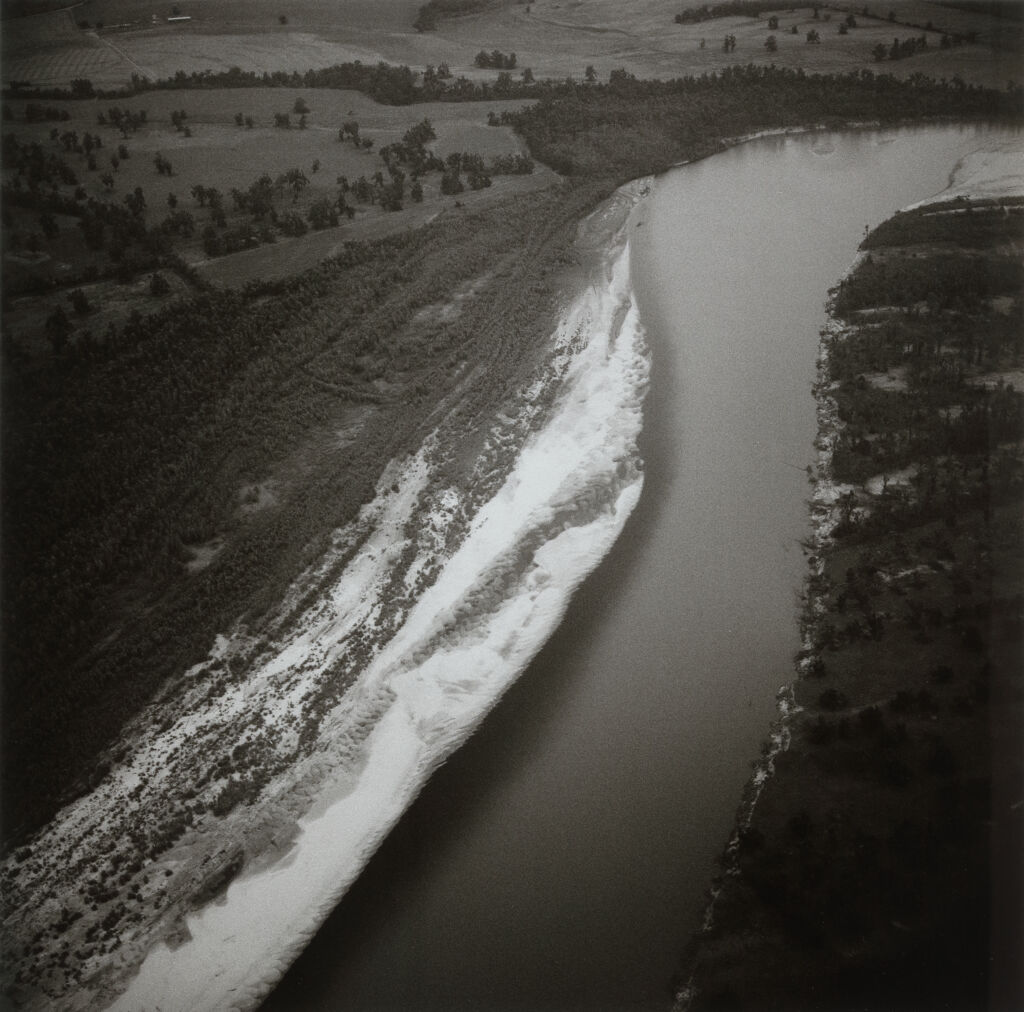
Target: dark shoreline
{"x": 915, "y": 726}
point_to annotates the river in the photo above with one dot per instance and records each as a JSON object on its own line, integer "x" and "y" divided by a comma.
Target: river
{"x": 559, "y": 860}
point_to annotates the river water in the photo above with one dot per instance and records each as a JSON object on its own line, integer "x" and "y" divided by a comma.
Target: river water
{"x": 559, "y": 860}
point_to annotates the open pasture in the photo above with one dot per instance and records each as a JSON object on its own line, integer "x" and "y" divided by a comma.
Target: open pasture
{"x": 109, "y": 40}
{"x": 222, "y": 154}
{"x": 553, "y": 37}
{"x": 225, "y": 156}
{"x": 290, "y": 256}
{"x": 262, "y": 15}
{"x": 556, "y": 38}
{"x": 49, "y": 50}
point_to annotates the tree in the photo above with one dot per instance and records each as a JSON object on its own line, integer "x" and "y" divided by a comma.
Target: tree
{"x": 179, "y": 223}
{"x": 322, "y": 214}
{"x": 48, "y": 225}
{"x": 239, "y": 119}
{"x": 136, "y": 202}
{"x": 426, "y": 19}
{"x": 451, "y": 183}
{"x": 773, "y": 23}
{"x": 282, "y": 19}
{"x": 58, "y": 330}
{"x": 880, "y": 52}
{"x": 92, "y": 231}
{"x": 293, "y": 179}
{"x": 158, "y": 284}
{"x": 292, "y": 224}
{"x": 418, "y": 135}
{"x": 590, "y": 75}
{"x": 391, "y": 196}
{"x": 79, "y": 302}
{"x": 300, "y": 108}
{"x": 771, "y": 44}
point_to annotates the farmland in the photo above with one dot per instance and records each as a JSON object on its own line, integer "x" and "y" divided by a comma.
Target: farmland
{"x": 220, "y": 153}
{"x": 552, "y": 37}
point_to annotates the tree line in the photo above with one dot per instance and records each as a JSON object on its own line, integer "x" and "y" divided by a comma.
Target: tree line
{"x": 430, "y": 14}
{"x": 593, "y": 130}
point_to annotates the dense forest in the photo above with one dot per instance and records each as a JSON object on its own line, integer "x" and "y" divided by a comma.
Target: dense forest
{"x": 596, "y": 131}
{"x": 880, "y": 867}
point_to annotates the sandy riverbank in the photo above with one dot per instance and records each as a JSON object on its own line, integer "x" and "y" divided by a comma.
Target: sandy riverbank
{"x": 469, "y": 635}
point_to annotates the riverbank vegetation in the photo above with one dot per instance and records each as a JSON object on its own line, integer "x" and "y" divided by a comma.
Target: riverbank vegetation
{"x": 112, "y": 492}
{"x": 596, "y": 132}
{"x": 879, "y": 867}
{"x": 187, "y": 396}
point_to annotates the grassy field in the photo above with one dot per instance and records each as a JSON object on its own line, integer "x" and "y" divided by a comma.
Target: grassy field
{"x": 553, "y": 37}
{"x": 291, "y": 256}
{"x": 221, "y": 154}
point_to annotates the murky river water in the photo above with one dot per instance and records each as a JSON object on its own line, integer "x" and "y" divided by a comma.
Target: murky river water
{"x": 559, "y": 860}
